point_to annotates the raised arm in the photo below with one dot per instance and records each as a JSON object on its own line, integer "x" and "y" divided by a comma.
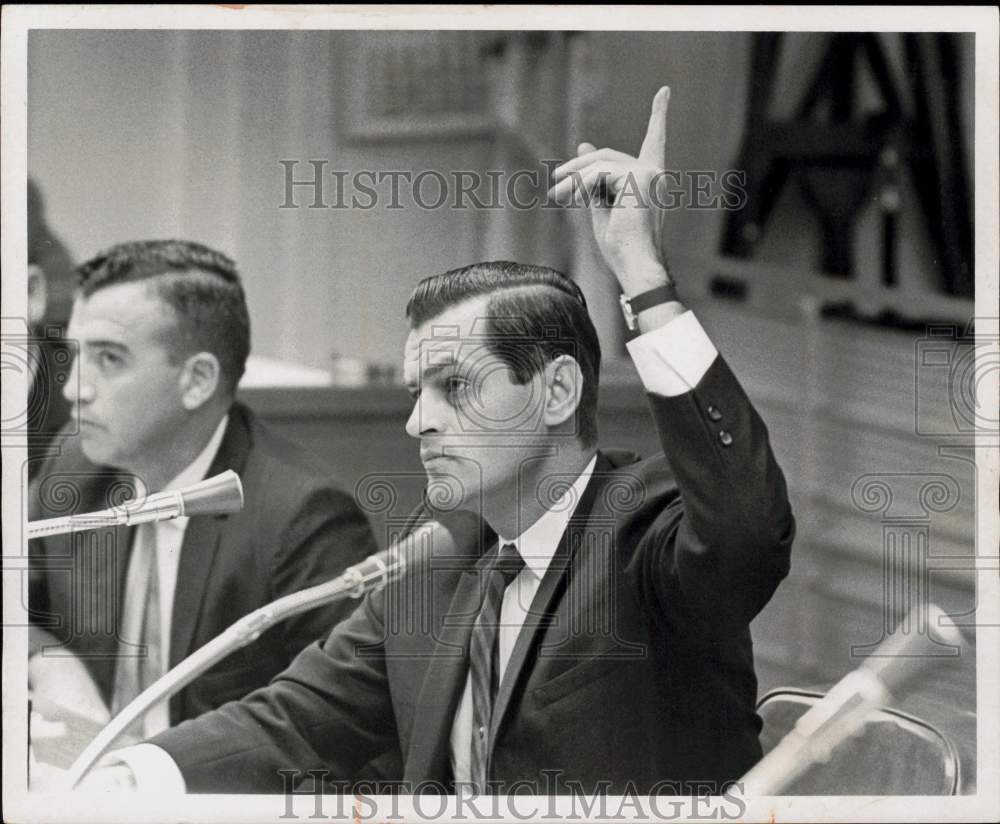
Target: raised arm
{"x": 720, "y": 551}
{"x": 627, "y": 224}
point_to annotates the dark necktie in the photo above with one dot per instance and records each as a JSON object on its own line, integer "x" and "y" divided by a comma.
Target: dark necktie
{"x": 483, "y": 659}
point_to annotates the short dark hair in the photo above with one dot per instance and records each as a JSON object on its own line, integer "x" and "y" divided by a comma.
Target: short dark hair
{"x": 534, "y": 313}
{"x": 201, "y": 285}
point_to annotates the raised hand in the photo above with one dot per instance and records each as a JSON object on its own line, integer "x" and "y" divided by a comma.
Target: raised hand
{"x": 620, "y": 191}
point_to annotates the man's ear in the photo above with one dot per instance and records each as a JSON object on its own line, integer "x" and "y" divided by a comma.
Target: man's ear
{"x": 563, "y": 389}
{"x": 199, "y": 380}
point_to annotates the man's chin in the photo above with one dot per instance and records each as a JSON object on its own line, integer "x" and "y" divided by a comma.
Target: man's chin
{"x": 446, "y": 492}
{"x": 95, "y": 450}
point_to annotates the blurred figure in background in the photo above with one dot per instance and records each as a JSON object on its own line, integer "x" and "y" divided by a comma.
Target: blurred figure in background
{"x": 163, "y": 335}
{"x": 51, "y": 280}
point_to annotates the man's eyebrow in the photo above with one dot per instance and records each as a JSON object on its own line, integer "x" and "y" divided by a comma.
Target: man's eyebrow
{"x": 103, "y": 343}
{"x": 427, "y": 373}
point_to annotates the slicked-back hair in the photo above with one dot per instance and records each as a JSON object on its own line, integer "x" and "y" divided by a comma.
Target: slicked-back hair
{"x": 534, "y": 314}
{"x": 201, "y": 285}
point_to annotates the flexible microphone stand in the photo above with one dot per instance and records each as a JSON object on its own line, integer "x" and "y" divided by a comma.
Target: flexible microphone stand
{"x": 219, "y": 495}
{"x": 841, "y": 714}
{"x": 371, "y": 574}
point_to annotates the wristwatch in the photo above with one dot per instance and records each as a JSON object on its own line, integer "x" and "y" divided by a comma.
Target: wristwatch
{"x": 631, "y": 307}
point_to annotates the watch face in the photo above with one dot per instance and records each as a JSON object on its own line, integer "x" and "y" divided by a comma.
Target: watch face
{"x": 630, "y": 319}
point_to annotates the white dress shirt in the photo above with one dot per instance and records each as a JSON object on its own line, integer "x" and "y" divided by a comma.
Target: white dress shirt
{"x": 536, "y": 545}
{"x": 169, "y": 539}
{"x": 670, "y": 360}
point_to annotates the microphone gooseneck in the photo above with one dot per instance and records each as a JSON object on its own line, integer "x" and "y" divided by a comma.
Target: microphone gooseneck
{"x": 218, "y": 495}
{"x": 841, "y": 714}
{"x": 356, "y": 581}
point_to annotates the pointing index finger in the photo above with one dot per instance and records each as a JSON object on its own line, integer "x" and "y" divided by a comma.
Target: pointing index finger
{"x": 654, "y": 145}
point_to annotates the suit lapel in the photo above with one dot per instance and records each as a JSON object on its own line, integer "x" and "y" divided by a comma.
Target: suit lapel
{"x": 104, "y": 554}
{"x": 550, "y": 589}
{"x": 202, "y": 539}
{"x": 201, "y": 543}
{"x": 123, "y": 541}
{"x": 109, "y": 589}
{"x": 428, "y": 757}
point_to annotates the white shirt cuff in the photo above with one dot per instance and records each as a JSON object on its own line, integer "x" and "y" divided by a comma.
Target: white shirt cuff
{"x": 152, "y": 767}
{"x": 672, "y": 359}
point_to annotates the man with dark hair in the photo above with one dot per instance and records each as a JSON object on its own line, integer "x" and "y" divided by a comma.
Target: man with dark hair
{"x": 163, "y": 335}
{"x": 596, "y": 637}
{"x": 535, "y": 314}
{"x": 200, "y": 285}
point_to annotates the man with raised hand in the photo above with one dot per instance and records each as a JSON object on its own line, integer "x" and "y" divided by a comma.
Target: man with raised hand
{"x": 596, "y": 638}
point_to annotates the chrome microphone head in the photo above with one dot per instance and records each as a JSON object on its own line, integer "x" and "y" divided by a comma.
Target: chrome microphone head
{"x": 218, "y": 495}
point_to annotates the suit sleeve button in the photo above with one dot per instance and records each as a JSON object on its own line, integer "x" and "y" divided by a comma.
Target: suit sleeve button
{"x": 725, "y": 438}
{"x": 714, "y": 413}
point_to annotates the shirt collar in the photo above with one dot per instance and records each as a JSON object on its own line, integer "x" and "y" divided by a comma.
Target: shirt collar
{"x": 538, "y": 543}
{"x": 198, "y": 468}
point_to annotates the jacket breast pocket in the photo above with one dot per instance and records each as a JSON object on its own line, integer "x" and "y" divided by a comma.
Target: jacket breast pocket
{"x": 576, "y": 677}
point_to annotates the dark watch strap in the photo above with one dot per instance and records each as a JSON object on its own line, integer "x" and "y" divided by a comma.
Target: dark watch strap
{"x": 654, "y": 297}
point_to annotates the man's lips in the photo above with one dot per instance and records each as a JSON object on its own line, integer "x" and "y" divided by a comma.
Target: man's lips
{"x": 86, "y": 423}
{"x": 433, "y": 456}
{"x": 427, "y": 457}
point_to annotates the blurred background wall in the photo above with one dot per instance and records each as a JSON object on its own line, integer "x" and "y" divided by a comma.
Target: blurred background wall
{"x": 137, "y": 134}
{"x": 180, "y": 133}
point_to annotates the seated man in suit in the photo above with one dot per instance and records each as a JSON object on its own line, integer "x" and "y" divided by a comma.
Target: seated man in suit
{"x": 163, "y": 335}
{"x": 598, "y": 639}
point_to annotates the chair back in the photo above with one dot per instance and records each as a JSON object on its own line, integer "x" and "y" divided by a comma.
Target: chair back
{"x": 894, "y": 753}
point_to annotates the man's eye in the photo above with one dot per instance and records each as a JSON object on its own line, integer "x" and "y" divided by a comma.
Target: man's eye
{"x": 456, "y": 385}
{"x": 109, "y": 359}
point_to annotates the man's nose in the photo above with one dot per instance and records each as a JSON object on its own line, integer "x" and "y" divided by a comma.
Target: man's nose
{"x": 422, "y": 420}
{"x": 77, "y": 388}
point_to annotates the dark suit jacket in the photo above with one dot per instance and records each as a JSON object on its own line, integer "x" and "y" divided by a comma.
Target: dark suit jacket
{"x": 296, "y": 529}
{"x": 635, "y": 673}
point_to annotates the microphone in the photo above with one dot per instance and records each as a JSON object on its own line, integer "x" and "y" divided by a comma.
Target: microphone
{"x": 841, "y": 714}
{"x": 356, "y": 581}
{"x": 217, "y": 495}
